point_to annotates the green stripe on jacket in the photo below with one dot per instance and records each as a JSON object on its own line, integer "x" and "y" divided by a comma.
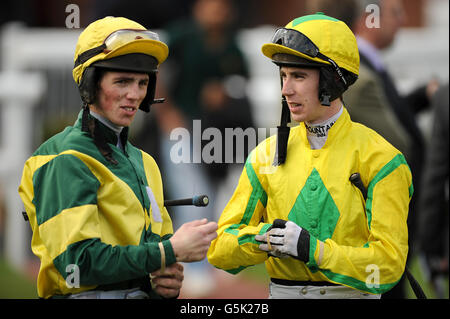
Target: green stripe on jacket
{"x": 398, "y": 160}
{"x": 258, "y": 194}
{"x": 64, "y": 182}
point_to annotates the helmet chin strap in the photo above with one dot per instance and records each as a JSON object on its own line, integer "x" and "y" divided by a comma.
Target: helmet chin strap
{"x": 89, "y": 125}
{"x": 282, "y": 132}
{"x": 325, "y": 100}
{"x": 85, "y": 118}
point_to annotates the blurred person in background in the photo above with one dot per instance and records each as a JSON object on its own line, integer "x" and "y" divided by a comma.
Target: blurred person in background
{"x": 204, "y": 79}
{"x": 434, "y": 201}
{"x": 207, "y": 73}
{"x": 374, "y": 99}
{"x": 94, "y": 201}
{"x": 345, "y": 10}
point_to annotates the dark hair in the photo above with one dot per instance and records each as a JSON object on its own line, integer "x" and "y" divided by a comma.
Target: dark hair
{"x": 98, "y": 76}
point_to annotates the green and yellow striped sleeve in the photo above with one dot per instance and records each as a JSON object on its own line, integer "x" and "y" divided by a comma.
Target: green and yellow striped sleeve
{"x": 235, "y": 247}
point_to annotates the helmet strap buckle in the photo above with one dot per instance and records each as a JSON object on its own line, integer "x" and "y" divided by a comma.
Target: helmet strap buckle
{"x": 325, "y": 100}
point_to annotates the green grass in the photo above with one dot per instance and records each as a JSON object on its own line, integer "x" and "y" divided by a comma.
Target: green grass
{"x": 416, "y": 270}
{"x": 14, "y": 284}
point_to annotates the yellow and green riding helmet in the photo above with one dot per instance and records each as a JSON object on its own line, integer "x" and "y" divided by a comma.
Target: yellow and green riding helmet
{"x": 320, "y": 41}
{"x": 120, "y": 44}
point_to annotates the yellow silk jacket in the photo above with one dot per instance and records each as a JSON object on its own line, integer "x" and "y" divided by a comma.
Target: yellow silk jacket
{"x": 354, "y": 242}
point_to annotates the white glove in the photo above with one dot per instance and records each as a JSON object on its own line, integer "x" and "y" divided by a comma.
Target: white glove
{"x": 283, "y": 241}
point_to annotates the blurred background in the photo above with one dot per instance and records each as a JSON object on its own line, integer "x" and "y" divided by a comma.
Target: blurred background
{"x": 215, "y": 72}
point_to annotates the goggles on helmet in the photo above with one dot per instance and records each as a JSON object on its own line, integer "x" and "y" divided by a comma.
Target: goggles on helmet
{"x": 115, "y": 40}
{"x": 297, "y": 41}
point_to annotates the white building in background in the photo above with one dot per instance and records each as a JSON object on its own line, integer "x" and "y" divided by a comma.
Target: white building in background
{"x": 23, "y": 52}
